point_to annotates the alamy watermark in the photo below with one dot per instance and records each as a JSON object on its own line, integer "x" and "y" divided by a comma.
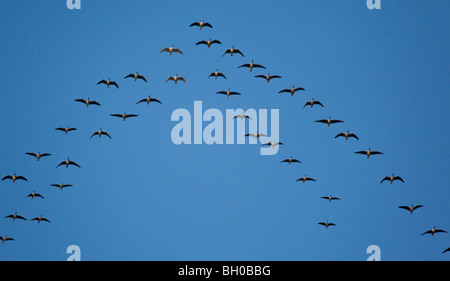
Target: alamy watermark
{"x": 375, "y": 253}
{"x": 74, "y": 4}
{"x": 374, "y": 4}
{"x": 75, "y": 253}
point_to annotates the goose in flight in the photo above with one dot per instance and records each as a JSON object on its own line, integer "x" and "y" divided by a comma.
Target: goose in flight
{"x": 124, "y": 116}
{"x": 312, "y": 103}
{"x": 108, "y": 83}
{"x": 209, "y": 42}
{"x": 392, "y": 178}
{"x": 290, "y": 160}
{"x": 330, "y": 198}
{"x": 256, "y": 136}
{"x": 66, "y": 130}
{"x": 171, "y": 50}
{"x": 61, "y": 186}
{"x": 5, "y": 238}
{"x": 15, "y": 216}
{"x": 100, "y": 133}
{"x": 242, "y": 116}
{"x": 346, "y": 135}
{"x": 201, "y": 24}
{"x": 148, "y": 100}
{"x": 252, "y": 65}
{"x": 228, "y": 93}
{"x": 217, "y": 74}
{"x": 232, "y": 51}
{"x": 368, "y": 152}
{"x": 136, "y": 76}
{"x": 292, "y": 90}
{"x": 176, "y": 78}
{"x": 327, "y": 224}
{"x": 329, "y": 121}
{"x": 268, "y": 77}
{"x": 87, "y": 102}
{"x": 67, "y": 163}
{"x": 272, "y": 144}
{"x": 434, "y": 231}
{"x": 305, "y": 179}
{"x": 39, "y": 155}
{"x": 40, "y": 218}
{"x": 411, "y": 208}
{"x": 14, "y": 178}
{"x": 34, "y": 194}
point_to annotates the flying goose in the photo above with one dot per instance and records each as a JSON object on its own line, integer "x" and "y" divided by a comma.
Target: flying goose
{"x": 67, "y": 163}
{"x": 228, "y": 93}
{"x": 40, "y": 218}
{"x": 66, "y": 130}
{"x": 15, "y": 216}
{"x": 329, "y": 121}
{"x": 201, "y": 24}
{"x": 392, "y": 178}
{"x": 100, "y": 133}
{"x": 292, "y": 90}
{"x": 61, "y": 186}
{"x": 87, "y": 102}
{"x": 252, "y": 65}
{"x": 176, "y": 78}
{"x": 256, "y": 135}
{"x": 326, "y": 224}
{"x": 171, "y": 50}
{"x": 232, "y": 51}
{"x": 411, "y": 209}
{"x": 434, "y": 231}
{"x": 34, "y": 194}
{"x": 209, "y": 42}
{"x": 4, "y": 239}
{"x": 305, "y": 179}
{"x": 39, "y": 155}
{"x": 217, "y": 74}
{"x": 136, "y": 76}
{"x": 124, "y": 116}
{"x": 330, "y": 198}
{"x": 14, "y": 178}
{"x": 272, "y": 144}
{"x": 368, "y": 152}
{"x": 268, "y": 77}
{"x": 312, "y": 103}
{"x": 242, "y": 116}
{"x": 290, "y": 160}
{"x": 108, "y": 83}
{"x": 346, "y": 135}
{"x": 148, "y": 100}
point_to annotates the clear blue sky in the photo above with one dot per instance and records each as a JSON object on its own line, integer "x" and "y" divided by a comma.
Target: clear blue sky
{"x": 138, "y": 196}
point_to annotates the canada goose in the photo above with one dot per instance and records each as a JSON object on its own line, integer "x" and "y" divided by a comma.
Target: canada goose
{"x": 136, "y": 76}
{"x": 40, "y": 218}
{"x": 87, "y": 102}
{"x": 329, "y": 121}
{"x": 100, "y": 133}
{"x": 14, "y": 178}
{"x": 330, "y": 198}
{"x": 252, "y": 65}
{"x": 305, "y": 179}
{"x": 124, "y": 116}
{"x": 15, "y": 216}
{"x": 148, "y": 100}
{"x": 412, "y": 208}
{"x": 232, "y": 51}
{"x": 268, "y": 77}
{"x": 368, "y": 152}
{"x": 108, "y": 83}
{"x": 433, "y": 231}
{"x": 446, "y": 250}
{"x": 217, "y": 74}
{"x": 34, "y": 194}
{"x": 209, "y": 42}
{"x": 61, "y": 186}
{"x": 256, "y": 135}
{"x": 171, "y": 50}
{"x": 290, "y": 160}
{"x": 312, "y": 103}
{"x": 201, "y": 24}
{"x": 392, "y": 178}
{"x": 292, "y": 90}
{"x": 67, "y": 163}
{"x": 4, "y": 239}
{"x": 327, "y": 224}
{"x": 272, "y": 144}
{"x": 228, "y": 93}
{"x": 39, "y": 155}
{"x": 242, "y": 116}
{"x": 66, "y": 130}
{"x": 176, "y": 78}
{"x": 346, "y": 135}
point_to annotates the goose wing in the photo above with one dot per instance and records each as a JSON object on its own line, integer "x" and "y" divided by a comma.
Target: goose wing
{"x": 129, "y": 76}
{"x": 21, "y": 178}
{"x": 274, "y": 76}
{"x": 155, "y": 100}
{"x": 361, "y": 152}
{"x": 216, "y": 41}
{"x": 234, "y": 93}
{"x": 226, "y": 52}
{"x": 239, "y": 52}
{"x": 417, "y": 207}
{"x": 81, "y": 100}
{"x": 258, "y": 66}
{"x": 336, "y": 121}
{"x": 376, "y": 152}
{"x": 207, "y": 24}
{"x": 94, "y": 134}
{"x": 74, "y": 163}
{"x": 182, "y": 79}
{"x": 31, "y": 154}
{"x": 244, "y": 65}
{"x": 38, "y": 195}
{"x": 7, "y": 177}
{"x": 164, "y": 50}
{"x": 322, "y": 121}
{"x": 319, "y": 103}
{"x": 44, "y": 219}
{"x": 299, "y": 89}
{"x": 399, "y": 178}
{"x": 339, "y": 135}
{"x": 194, "y": 24}
{"x": 222, "y": 75}
{"x": 385, "y": 179}
{"x": 178, "y": 51}
{"x": 353, "y": 136}
{"x": 202, "y": 42}
{"x": 106, "y": 134}
{"x": 131, "y": 115}
{"x": 115, "y": 84}
{"x": 142, "y": 78}
{"x": 285, "y": 91}
{"x": 142, "y": 100}
{"x": 117, "y": 115}
{"x": 102, "y": 82}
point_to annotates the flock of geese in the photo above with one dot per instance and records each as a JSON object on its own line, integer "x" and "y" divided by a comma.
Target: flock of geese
{"x": 251, "y": 66}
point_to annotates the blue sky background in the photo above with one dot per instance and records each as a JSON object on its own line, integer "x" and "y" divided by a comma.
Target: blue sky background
{"x": 140, "y": 197}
